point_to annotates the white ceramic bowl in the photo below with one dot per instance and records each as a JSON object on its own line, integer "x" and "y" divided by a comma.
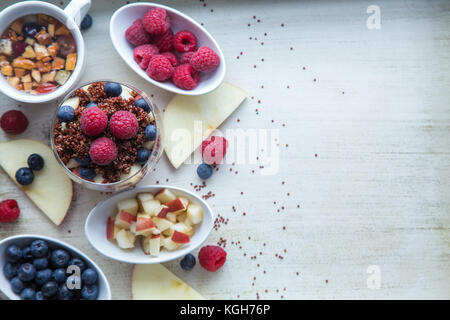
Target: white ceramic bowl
{"x": 126, "y": 15}
{"x": 71, "y": 17}
{"x": 95, "y": 228}
{"x": 26, "y": 239}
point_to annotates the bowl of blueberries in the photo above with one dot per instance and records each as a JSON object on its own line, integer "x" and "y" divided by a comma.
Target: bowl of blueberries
{"x": 36, "y": 267}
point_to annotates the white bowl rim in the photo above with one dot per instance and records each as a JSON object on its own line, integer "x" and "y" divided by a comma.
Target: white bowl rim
{"x": 174, "y": 254}
{"x": 174, "y": 89}
{"x": 66, "y": 245}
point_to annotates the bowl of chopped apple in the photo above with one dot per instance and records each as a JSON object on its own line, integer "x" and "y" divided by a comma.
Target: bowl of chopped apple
{"x": 150, "y": 224}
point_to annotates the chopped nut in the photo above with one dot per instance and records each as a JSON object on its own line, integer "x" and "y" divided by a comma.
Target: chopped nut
{"x": 62, "y": 31}
{"x": 7, "y": 70}
{"x": 36, "y": 74}
{"x": 26, "y": 79}
{"x": 13, "y": 81}
{"x": 53, "y": 49}
{"x": 27, "y": 86}
{"x": 51, "y": 29}
{"x": 71, "y": 61}
{"x": 41, "y": 51}
{"x": 29, "y": 53}
{"x": 58, "y": 63}
{"x": 6, "y": 46}
{"x": 21, "y": 62}
{"x": 43, "y": 66}
{"x": 62, "y": 76}
{"x": 19, "y": 72}
{"x": 49, "y": 76}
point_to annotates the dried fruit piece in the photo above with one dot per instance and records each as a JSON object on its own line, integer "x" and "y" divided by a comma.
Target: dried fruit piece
{"x": 6, "y": 47}
{"x": 62, "y": 31}
{"x": 66, "y": 45}
{"x": 43, "y": 66}
{"x": 13, "y": 81}
{"x": 19, "y": 72}
{"x": 71, "y": 61}
{"x": 27, "y": 86}
{"x": 49, "y": 76}
{"x": 44, "y": 38}
{"x": 36, "y": 74}
{"x": 51, "y": 29}
{"x": 23, "y": 63}
{"x": 45, "y": 88}
{"x": 41, "y": 51}
{"x": 62, "y": 76}
{"x": 17, "y": 26}
{"x": 53, "y": 49}
{"x": 58, "y": 63}
{"x": 7, "y": 70}
{"x": 26, "y": 79}
{"x": 29, "y": 53}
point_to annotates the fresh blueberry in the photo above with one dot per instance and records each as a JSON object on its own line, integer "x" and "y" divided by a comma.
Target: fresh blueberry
{"x": 188, "y": 262}
{"x": 64, "y": 293}
{"x": 27, "y": 294}
{"x": 204, "y": 171}
{"x": 86, "y": 173}
{"x": 49, "y": 288}
{"x": 66, "y": 114}
{"x": 39, "y": 296}
{"x": 150, "y": 132}
{"x": 113, "y": 89}
{"x": 39, "y": 248}
{"x": 40, "y": 263}
{"x": 141, "y": 103}
{"x": 83, "y": 161}
{"x": 142, "y": 155}
{"x": 13, "y": 253}
{"x": 26, "y": 253}
{"x": 30, "y": 29}
{"x": 89, "y": 292}
{"x": 91, "y": 104}
{"x": 59, "y": 275}
{"x": 60, "y": 258}
{"x": 78, "y": 262}
{"x": 35, "y": 162}
{"x": 89, "y": 276}
{"x": 86, "y": 23}
{"x": 16, "y": 285}
{"x": 26, "y": 272}
{"x": 42, "y": 276}
{"x": 24, "y": 176}
{"x": 10, "y": 270}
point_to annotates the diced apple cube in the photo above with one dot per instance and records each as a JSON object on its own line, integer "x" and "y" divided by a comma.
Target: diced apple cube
{"x": 180, "y": 227}
{"x": 125, "y": 239}
{"x": 155, "y": 245}
{"x": 124, "y": 219}
{"x": 129, "y": 205}
{"x": 195, "y": 213}
{"x": 180, "y": 237}
{"x": 170, "y": 245}
{"x": 178, "y": 205}
{"x": 151, "y": 207}
{"x": 162, "y": 211}
{"x": 171, "y": 217}
{"x": 142, "y": 197}
{"x": 165, "y": 195}
{"x": 144, "y": 225}
{"x": 111, "y": 229}
{"x": 162, "y": 224}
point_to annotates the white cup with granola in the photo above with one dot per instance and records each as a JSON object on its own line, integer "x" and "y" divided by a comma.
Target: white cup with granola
{"x": 42, "y": 52}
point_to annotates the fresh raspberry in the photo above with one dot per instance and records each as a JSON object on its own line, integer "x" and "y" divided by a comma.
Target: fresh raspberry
{"x": 185, "y": 77}
{"x": 143, "y": 54}
{"x": 14, "y": 122}
{"x": 136, "y": 34}
{"x": 103, "y": 151}
{"x": 184, "y": 41}
{"x": 214, "y": 149}
{"x": 164, "y": 41}
{"x": 186, "y": 57}
{"x": 156, "y": 21}
{"x": 172, "y": 58}
{"x": 160, "y": 68}
{"x": 212, "y": 257}
{"x": 205, "y": 59}
{"x": 93, "y": 121}
{"x": 123, "y": 125}
{"x": 9, "y": 210}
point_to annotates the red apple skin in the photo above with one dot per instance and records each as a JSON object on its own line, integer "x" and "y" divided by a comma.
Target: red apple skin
{"x": 175, "y": 205}
{"x": 110, "y": 228}
{"x": 160, "y": 191}
{"x": 126, "y": 216}
{"x": 163, "y": 213}
{"x": 144, "y": 224}
{"x": 155, "y": 236}
{"x": 179, "y": 237}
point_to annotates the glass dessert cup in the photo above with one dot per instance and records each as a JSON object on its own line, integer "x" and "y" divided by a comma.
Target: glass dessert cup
{"x": 131, "y": 179}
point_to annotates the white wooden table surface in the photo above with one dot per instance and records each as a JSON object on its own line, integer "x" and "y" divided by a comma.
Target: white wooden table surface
{"x": 364, "y": 148}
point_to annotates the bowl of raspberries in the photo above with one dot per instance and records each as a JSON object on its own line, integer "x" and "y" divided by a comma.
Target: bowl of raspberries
{"x": 167, "y": 48}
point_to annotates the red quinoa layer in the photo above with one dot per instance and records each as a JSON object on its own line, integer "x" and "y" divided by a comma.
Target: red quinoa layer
{"x": 72, "y": 143}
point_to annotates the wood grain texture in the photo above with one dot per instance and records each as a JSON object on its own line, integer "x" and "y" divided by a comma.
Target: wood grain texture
{"x": 367, "y": 125}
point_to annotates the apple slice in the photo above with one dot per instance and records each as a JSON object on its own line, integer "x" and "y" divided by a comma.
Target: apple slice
{"x": 51, "y": 190}
{"x": 178, "y": 205}
{"x": 188, "y": 120}
{"x": 151, "y": 207}
{"x": 124, "y": 219}
{"x": 162, "y": 211}
{"x": 195, "y": 213}
{"x": 111, "y": 229}
{"x": 125, "y": 239}
{"x": 155, "y": 282}
{"x": 144, "y": 225}
{"x": 162, "y": 224}
{"x": 180, "y": 237}
{"x": 165, "y": 195}
{"x": 143, "y": 197}
{"x": 73, "y": 102}
{"x": 170, "y": 245}
{"x": 129, "y": 205}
